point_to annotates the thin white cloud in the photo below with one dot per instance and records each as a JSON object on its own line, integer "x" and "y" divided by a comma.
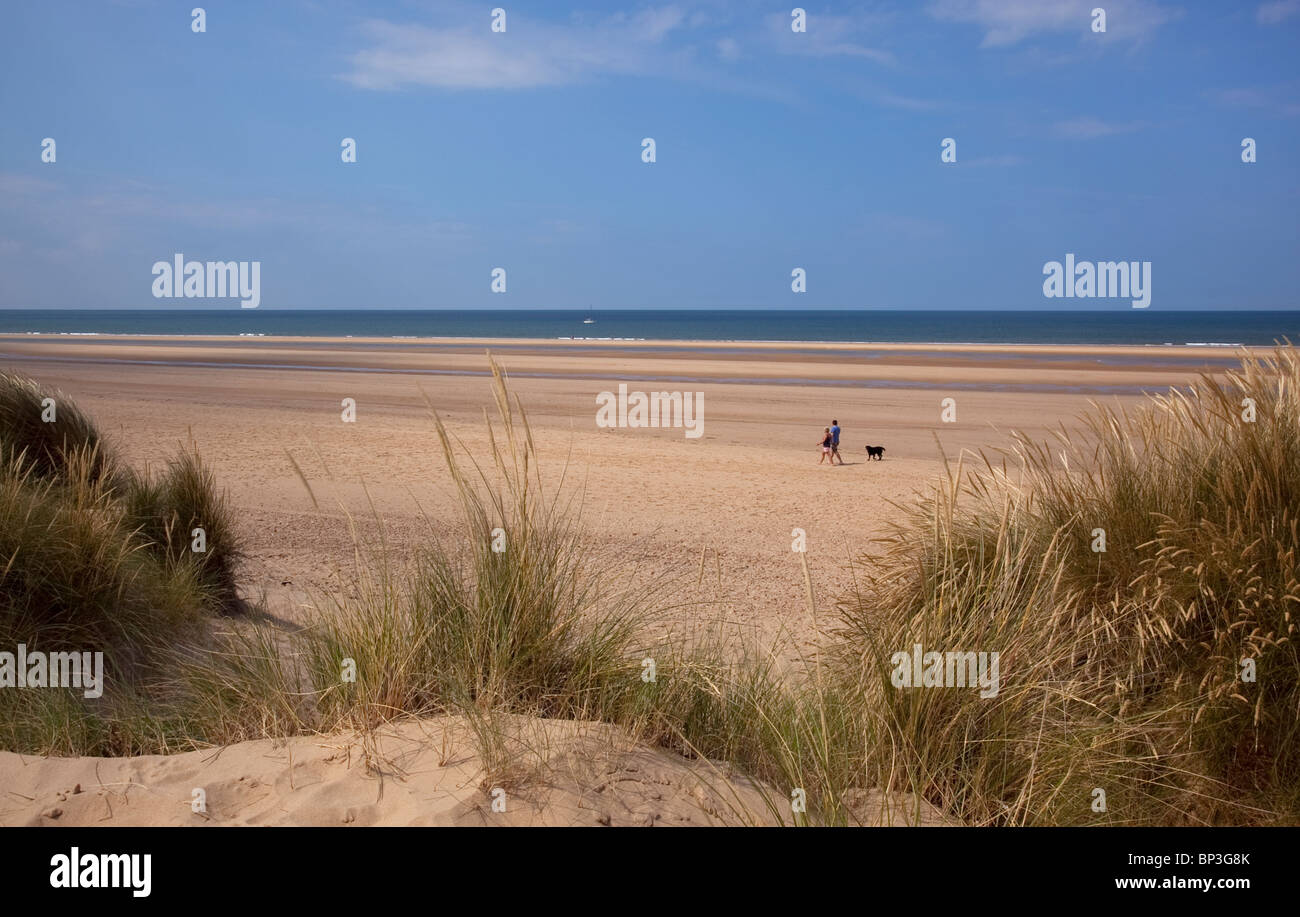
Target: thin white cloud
{"x": 654, "y": 24}
{"x": 1009, "y": 22}
{"x": 1276, "y": 12}
{"x": 462, "y": 53}
{"x": 529, "y": 54}
{"x": 887, "y": 98}
{"x": 98, "y": 220}
{"x": 828, "y": 36}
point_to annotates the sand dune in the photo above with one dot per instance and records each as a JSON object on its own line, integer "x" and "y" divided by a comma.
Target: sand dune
{"x": 417, "y": 773}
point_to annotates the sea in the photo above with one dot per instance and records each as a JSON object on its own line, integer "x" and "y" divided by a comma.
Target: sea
{"x": 1200, "y": 328}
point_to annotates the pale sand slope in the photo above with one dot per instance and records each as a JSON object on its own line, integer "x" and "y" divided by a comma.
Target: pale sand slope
{"x": 417, "y": 773}
{"x": 654, "y": 501}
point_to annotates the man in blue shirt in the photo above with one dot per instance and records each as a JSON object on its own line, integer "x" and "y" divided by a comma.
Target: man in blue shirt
{"x": 835, "y": 442}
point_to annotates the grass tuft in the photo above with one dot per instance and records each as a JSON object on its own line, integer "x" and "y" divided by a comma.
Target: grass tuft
{"x": 1121, "y": 669}
{"x": 180, "y": 511}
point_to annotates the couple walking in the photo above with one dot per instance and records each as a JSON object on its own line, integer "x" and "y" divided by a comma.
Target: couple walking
{"x": 830, "y": 444}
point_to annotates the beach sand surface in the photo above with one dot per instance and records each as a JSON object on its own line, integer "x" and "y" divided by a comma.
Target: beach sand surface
{"x": 710, "y": 519}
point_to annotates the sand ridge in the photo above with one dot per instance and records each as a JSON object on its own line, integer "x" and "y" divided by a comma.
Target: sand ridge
{"x": 412, "y": 773}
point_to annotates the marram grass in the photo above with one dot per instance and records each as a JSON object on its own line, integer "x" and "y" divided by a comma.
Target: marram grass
{"x": 1162, "y": 670}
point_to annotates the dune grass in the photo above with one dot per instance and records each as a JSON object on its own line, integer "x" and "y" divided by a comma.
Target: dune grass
{"x": 182, "y": 509}
{"x": 83, "y": 569}
{"x": 505, "y": 616}
{"x": 74, "y": 578}
{"x": 1122, "y": 670}
{"x": 51, "y": 431}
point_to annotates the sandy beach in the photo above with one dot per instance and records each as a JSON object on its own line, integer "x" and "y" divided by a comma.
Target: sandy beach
{"x": 709, "y": 518}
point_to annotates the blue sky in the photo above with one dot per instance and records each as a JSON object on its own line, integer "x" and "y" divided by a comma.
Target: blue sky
{"x": 775, "y": 150}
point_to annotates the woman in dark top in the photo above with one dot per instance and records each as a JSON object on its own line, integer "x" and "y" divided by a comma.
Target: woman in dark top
{"x": 826, "y": 447}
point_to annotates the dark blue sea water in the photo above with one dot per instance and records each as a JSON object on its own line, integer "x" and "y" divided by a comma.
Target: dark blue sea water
{"x": 1108, "y": 327}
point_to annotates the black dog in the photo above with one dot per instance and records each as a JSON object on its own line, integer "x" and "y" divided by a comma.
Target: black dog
{"x": 876, "y": 452}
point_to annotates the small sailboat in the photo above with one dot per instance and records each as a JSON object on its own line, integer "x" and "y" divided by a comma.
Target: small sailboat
{"x": 589, "y": 320}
